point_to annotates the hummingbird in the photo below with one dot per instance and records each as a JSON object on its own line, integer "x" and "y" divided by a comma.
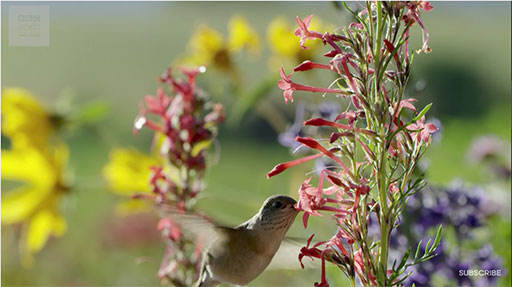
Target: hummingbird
{"x": 237, "y": 255}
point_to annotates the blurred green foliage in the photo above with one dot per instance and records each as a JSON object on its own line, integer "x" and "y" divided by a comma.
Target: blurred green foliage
{"x": 112, "y": 53}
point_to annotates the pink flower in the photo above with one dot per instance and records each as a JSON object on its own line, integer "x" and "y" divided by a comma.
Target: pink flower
{"x": 311, "y": 200}
{"x": 169, "y": 229}
{"x": 406, "y": 104}
{"x": 335, "y": 242}
{"x": 289, "y": 87}
{"x": 350, "y": 115}
{"x": 303, "y": 32}
{"x": 159, "y": 103}
{"x": 413, "y": 15}
{"x": 424, "y": 130}
{"x": 308, "y": 201}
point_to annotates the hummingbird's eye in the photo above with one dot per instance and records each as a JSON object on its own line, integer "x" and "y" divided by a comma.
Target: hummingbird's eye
{"x": 277, "y": 204}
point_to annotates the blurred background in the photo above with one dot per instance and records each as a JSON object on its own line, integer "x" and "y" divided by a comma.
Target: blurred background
{"x": 112, "y": 53}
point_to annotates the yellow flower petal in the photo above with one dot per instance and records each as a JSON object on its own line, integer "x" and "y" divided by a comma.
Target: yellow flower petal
{"x": 128, "y": 171}
{"x": 19, "y": 204}
{"x": 282, "y": 39}
{"x": 44, "y": 223}
{"x": 29, "y": 165}
{"x": 24, "y": 119}
{"x": 204, "y": 44}
{"x": 198, "y": 147}
{"x": 242, "y": 36}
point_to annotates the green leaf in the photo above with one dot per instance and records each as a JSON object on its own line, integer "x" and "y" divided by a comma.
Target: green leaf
{"x": 427, "y": 246}
{"x": 438, "y": 238}
{"x": 417, "y": 250}
{"x": 381, "y": 273}
{"x": 422, "y": 113}
{"x": 404, "y": 260}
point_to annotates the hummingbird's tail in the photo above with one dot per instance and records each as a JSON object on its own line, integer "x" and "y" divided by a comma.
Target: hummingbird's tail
{"x": 205, "y": 279}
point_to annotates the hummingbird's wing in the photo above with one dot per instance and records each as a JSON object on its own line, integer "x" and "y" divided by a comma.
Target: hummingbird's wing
{"x": 194, "y": 225}
{"x": 287, "y": 256}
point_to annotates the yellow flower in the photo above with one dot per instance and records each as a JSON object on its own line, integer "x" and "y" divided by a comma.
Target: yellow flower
{"x": 128, "y": 172}
{"x": 286, "y": 46}
{"x": 242, "y": 36}
{"x": 208, "y": 46}
{"x": 35, "y": 203}
{"x": 24, "y": 120}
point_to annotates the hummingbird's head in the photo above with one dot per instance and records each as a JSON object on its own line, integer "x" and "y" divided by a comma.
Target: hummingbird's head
{"x": 277, "y": 213}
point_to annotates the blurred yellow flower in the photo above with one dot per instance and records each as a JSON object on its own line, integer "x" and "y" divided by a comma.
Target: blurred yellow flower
{"x": 208, "y": 46}
{"x": 35, "y": 202}
{"x": 24, "y": 120}
{"x": 128, "y": 172}
{"x": 286, "y": 46}
{"x": 242, "y": 36}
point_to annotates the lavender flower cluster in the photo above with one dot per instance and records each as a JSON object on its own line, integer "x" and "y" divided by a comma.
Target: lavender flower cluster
{"x": 463, "y": 210}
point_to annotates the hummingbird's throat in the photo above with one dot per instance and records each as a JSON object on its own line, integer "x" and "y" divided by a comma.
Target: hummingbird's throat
{"x": 277, "y": 222}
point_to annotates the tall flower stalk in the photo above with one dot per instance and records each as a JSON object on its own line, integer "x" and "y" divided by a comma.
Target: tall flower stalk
{"x": 185, "y": 125}
{"x": 374, "y": 144}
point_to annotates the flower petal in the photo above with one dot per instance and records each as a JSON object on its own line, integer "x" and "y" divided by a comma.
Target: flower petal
{"x": 19, "y": 204}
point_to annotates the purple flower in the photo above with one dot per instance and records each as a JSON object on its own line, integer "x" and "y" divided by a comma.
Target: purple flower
{"x": 287, "y": 138}
{"x": 484, "y": 147}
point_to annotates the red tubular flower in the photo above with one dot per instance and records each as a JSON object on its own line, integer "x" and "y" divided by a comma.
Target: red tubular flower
{"x": 309, "y": 142}
{"x": 323, "y": 282}
{"x": 310, "y": 252}
{"x": 289, "y": 87}
{"x": 303, "y": 32}
{"x": 332, "y": 53}
{"x": 335, "y": 136}
{"x": 284, "y": 166}
{"x": 321, "y": 122}
{"x": 343, "y": 60}
{"x": 308, "y": 65}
